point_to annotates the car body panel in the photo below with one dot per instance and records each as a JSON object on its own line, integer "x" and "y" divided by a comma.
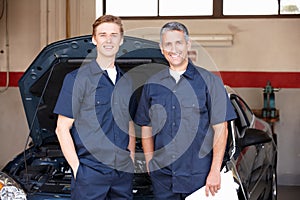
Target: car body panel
{"x": 253, "y": 162}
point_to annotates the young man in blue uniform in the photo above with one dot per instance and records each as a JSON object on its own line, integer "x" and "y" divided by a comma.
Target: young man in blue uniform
{"x": 94, "y": 127}
{"x": 183, "y": 111}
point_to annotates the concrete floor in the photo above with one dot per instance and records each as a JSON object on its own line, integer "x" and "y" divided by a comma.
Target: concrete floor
{"x": 288, "y": 192}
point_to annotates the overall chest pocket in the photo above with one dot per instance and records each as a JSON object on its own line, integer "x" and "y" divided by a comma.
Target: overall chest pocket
{"x": 190, "y": 113}
{"x": 158, "y": 115}
{"x": 102, "y": 95}
{"x": 102, "y": 106}
{"x": 102, "y": 99}
{"x": 190, "y": 106}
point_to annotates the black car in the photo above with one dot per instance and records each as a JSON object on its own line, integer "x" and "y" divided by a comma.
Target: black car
{"x": 41, "y": 172}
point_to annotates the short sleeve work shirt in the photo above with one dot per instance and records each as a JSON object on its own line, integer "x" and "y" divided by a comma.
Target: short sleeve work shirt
{"x": 100, "y": 112}
{"x": 181, "y": 116}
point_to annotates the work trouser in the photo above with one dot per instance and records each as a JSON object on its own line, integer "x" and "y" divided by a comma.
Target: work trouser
{"x": 94, "y": 185}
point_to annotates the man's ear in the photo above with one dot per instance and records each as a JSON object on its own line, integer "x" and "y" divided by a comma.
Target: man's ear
{"x": 189, "y": 44}
{"x": 121, "y": 42}
{"x": 94, "y": 41}
{"x": 161, "y": 48}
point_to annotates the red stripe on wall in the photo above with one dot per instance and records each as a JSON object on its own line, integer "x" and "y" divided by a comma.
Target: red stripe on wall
{"x": 260, "y": 79}
{"x": 233, "y": 79}
{"x": 13, "y": 78}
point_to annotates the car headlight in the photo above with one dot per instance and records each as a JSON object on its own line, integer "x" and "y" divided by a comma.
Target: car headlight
{"x": 9, "y": 189}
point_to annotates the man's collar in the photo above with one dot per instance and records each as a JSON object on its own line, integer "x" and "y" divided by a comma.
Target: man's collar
{"x": 189, "y": 73}
{"x": 95, "y": 68}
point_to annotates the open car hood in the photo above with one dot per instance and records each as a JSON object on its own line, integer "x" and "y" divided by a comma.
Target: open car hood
{"x": 41, "y": 83}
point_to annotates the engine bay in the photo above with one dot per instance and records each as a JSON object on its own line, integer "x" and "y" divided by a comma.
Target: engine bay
{"x": 41, "y": 169}
{"x": 45, "y": 170}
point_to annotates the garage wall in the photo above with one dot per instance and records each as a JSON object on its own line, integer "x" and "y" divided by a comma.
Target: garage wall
{"x": 31, "y": 24}
{"x": 259, "y": 45}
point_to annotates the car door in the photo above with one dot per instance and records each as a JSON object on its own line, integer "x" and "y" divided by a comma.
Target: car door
{"x": 251, "y": 160}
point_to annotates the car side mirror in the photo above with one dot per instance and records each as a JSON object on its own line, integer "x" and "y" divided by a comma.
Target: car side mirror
{"x": 254, "y": 137}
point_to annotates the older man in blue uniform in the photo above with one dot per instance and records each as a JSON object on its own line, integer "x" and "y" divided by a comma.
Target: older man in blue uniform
{"x": 183, "y": 111}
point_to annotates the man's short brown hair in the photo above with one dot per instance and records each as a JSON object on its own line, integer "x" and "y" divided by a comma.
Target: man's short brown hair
{"x": 108, "y": 19}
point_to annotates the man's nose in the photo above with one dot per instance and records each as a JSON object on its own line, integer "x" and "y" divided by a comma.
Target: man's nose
{"x": 173, "y": 48}
{"x": 108, "y": 38}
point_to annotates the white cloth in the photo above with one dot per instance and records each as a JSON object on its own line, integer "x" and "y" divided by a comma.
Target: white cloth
{"x": 227, "y": 191}
{"x": 112, "y": 73}
{"x": 176, "y": 74}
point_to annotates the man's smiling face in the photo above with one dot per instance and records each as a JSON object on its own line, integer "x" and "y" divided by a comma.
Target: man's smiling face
{"x": 108, "y": 39}
{"x": 175, "y": 49}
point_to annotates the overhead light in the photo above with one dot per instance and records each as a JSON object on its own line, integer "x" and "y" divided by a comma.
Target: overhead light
{"x": 213, "y": 40}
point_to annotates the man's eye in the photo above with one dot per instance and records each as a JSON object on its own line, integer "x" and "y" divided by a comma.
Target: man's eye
{"x": 167, "y": 45}
{"x": 115, "y": 35}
